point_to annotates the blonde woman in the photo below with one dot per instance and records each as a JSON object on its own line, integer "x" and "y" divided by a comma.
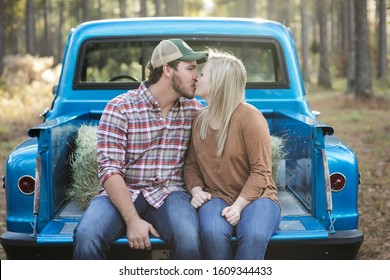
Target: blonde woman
{"x": 228, "y": 166}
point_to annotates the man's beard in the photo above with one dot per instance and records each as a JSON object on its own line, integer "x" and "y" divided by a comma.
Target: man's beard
{"x": 178, "y": 86}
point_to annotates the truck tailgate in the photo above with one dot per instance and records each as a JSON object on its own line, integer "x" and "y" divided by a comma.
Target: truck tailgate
{"x": 297, "y": 224}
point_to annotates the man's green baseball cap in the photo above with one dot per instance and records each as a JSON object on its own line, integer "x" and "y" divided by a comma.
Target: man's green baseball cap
{"x": 175, "y": 49}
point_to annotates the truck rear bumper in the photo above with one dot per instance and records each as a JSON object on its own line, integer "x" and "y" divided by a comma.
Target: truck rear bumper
{"x": 339, "y": 245}
{"x": 343, "y": 244}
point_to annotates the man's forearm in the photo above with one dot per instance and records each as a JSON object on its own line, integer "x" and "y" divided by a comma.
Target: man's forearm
{"x": 119, "y": 195}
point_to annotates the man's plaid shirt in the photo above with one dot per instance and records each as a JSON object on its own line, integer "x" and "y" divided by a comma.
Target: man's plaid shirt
{"x": 146, "y": 149}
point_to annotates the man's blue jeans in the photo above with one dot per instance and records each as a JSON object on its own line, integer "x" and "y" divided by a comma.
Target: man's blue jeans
{"x": 259, "y": 221}
{"x": 176, "y": 221}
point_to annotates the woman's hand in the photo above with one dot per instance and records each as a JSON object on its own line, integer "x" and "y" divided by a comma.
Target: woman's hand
{"x": 199, "y": 197}
{"x": 232, "y": 213}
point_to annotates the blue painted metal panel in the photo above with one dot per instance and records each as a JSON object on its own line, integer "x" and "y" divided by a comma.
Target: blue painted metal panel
{"x": 342, "y": 159}
{"x": 301, "y": 228}
{"x": 18, "y": 205}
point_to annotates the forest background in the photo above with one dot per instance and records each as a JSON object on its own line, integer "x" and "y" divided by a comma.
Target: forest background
{"x": 342, "y": 46}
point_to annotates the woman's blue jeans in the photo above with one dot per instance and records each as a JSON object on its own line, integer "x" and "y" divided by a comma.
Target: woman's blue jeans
{"x": 176, "y": 221}
{"x": 259, "y": 221}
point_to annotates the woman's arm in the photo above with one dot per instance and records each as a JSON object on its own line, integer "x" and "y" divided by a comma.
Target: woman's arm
{"x": 257, "y": 141}
{"x": 192, "y": 173}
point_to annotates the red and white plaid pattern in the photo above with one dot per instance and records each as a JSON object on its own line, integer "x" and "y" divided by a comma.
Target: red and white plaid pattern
{"x": 146, "y": 149}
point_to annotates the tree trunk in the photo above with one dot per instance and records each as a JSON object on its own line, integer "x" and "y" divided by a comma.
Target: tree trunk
{"x": 351, "y": 81}
{"x": 284, "y": 12}
{"x": 250, "y": 8}
{"x": 305, "y": 42}
{"x": 338, "y": 34}
{"x": 142, "y": 12}
{"x": 30, "y": 28}
{"x": 170, "y": 8}
{"x": 48, "y": 51}
{"x": 343, "y": 38}
{"x": 1, "y": 36}
{"x": 122, "y": 8}
{"x": 382, "y": 44}
{"x": 324, "y": 78}
{"x": 180, "y": 11}
{"x": 60, "y": 44}
{"x": 99, "y": 10}
{"x": 86, "y": 11}
{"x": 157, "y": 6}
{"x": 176, "y": 7}
{"x": 271, "y": 9}
{"x": 345, "y": 25}
{"x": 363, "y": 73}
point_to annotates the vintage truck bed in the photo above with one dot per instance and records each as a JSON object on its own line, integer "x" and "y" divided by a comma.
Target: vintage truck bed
{"x": 296, "y": 220}
{"x": 302, "y": 226}
{"x": 297, "y": 224}
{"x": 71, "y": 212}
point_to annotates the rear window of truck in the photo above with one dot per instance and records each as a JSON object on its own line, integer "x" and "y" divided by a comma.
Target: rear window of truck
{"x": 120, "y": 63}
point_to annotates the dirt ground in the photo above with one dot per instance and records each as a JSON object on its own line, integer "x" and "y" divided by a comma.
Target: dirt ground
{"x": 363, "y": 125}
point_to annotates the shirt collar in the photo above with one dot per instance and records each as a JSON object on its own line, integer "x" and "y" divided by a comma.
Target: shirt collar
{"x": 152, "y": 101}
{"x": 146, "y": 95}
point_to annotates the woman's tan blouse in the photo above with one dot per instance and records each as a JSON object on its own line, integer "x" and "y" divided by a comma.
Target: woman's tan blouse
{"x": 245, "y": 166}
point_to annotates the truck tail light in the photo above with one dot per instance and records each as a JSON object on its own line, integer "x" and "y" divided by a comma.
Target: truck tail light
{"x": 26, "y": 184}
{"x": 337, "y": 182}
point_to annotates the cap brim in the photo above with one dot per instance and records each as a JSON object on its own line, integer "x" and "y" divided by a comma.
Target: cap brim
{"x": 199, "y": 57}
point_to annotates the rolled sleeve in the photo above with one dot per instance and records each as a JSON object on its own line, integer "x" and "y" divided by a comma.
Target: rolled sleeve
{"x": 111, "y": 142}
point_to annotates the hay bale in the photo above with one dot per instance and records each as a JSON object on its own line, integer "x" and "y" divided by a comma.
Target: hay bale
{"x": 84, "y": 167}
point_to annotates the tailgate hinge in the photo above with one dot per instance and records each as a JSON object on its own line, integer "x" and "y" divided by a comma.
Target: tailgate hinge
{"x": 328, "y": 190}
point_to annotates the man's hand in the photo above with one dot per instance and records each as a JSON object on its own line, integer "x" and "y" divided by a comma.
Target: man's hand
{"x": 137, "y": 229}
{"x": 199, "y": 197}
{"x": 138, "y": 234}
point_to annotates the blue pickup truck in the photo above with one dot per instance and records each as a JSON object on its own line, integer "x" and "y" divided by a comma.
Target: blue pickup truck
{"x": 318, "y": 178}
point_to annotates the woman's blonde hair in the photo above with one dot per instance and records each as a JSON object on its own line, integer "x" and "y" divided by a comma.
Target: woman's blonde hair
{"x": 227, "y": 91}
